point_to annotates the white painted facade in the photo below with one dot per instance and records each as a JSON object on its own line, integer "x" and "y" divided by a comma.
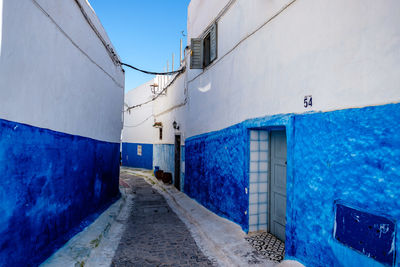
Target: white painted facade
{"x": 166, "y": 108}
{"x": 138, "y": 122}
{"x": 171, "y": 107}
{"x": 54, "y": 71}
{"x": 273, "y": 53}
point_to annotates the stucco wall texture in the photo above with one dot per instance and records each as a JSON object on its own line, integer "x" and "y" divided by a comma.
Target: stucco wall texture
{"x": 51, "y": 186}
{"x": 216, "y": 172}
{"x": 351, "y": 155}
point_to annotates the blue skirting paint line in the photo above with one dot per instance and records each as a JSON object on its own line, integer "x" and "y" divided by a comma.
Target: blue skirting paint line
{"x": 351, "y": 156}
{"x": 52, "y": 185}
{"x": 130, "y": 157}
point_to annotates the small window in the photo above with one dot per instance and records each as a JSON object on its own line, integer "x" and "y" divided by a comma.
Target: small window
{"x": 160, "y": 129}
{"x": 139, "y": 150}
{"x": 204, "y": 50}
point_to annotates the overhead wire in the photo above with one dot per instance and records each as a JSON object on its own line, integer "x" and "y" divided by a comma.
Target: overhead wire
{"x": 157, "y": 95}
{"x": 111, "y": 51}
{"x": 153, "y": 73}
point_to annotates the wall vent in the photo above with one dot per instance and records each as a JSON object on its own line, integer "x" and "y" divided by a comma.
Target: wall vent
{"x": 369, "y": 234}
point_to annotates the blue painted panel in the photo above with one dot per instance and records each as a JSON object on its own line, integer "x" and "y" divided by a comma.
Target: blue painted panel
{"x": 367, "y": 233}
{"x": 164, "y": 157}
{"x": 52, "y": 185}
{"x": 130, "y": 158}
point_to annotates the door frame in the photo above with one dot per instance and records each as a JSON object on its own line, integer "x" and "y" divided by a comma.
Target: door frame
{"x": 177, "y": 161}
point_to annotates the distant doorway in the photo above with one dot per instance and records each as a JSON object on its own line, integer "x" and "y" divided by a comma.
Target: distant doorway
{"x": 177, "y": 174}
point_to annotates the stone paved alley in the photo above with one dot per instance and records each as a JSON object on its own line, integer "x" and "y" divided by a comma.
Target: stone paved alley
{"x": 154, "y": 224}
{"x": 154, "y": 235}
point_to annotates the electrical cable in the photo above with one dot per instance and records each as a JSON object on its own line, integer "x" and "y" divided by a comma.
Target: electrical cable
{"x": 151, "y": 72}
{"x": 160, "y": 93}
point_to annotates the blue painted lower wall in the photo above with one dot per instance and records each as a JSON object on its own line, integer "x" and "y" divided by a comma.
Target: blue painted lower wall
{"x": 130, "y": 157}
{"x": 351, "y": 156}
{"x": 164, "y": 157}
{"x": 52, "y": 185}
{"x": 216, "y": 172}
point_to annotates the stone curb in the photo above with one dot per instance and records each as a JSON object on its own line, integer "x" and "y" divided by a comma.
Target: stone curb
{"x": 96, "y": 244}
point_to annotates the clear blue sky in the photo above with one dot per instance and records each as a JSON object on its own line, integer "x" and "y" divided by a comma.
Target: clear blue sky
{"x": 145, "y": 33}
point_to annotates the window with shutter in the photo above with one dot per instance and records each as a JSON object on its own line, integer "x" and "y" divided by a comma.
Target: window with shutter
{"x": 204, "y": 50}
{"x": 196, "y": 56}
{"x": 213, "y": 42}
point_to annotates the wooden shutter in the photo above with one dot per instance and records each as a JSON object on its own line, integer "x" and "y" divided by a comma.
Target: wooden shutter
{"x": 196, "y": 56}
{"x": 213, "y": 42}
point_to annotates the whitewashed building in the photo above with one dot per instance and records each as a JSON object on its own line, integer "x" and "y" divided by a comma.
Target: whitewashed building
{"x": 61, "y": 100}
{"x": 289, "y": 116}
{"x": 153, "y": 126}
{"x": 292, "y": 123}
{"x": 137, "y": 134}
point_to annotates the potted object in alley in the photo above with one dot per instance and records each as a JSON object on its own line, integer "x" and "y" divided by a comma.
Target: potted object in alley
{"x": 159, "y": 174}
{"x": 156, "y": 168}
{"x": 167, "y": 178}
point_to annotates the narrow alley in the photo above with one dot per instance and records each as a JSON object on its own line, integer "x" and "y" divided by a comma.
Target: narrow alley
{"x": 154, "y": 235}
{"x": 199, "y": 133}
{"x": 154, "y": 224}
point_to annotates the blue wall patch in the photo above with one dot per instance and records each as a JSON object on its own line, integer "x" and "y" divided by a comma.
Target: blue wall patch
{"x": 216, "y": 172}
{"x": 370, "y": 234}
{"x": 351, "y": 154}
{"x": 130, "y": 157}
{"x": 52, "y": 185}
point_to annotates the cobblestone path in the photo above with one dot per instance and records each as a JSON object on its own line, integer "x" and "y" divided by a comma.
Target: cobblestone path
{"x": 154, "y": 235}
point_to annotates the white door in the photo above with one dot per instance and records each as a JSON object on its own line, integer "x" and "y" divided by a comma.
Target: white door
{"x": 278, "y": 184}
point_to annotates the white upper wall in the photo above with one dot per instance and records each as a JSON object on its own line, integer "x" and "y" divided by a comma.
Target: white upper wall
{"x": 60, "y": 79}
{"x": 138, "y": 123}
{"x": 345, "y": 54}
{"x": 168, "y": 108}
{"x": 201, "y": 14}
